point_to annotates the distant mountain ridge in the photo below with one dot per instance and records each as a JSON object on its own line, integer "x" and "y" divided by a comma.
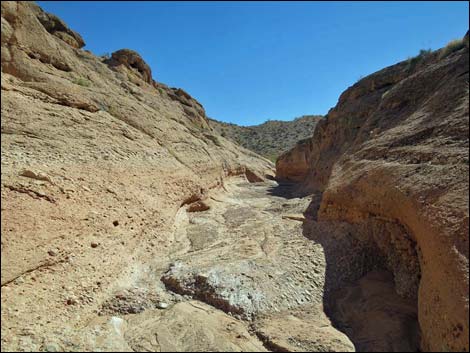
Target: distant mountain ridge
{"x": 271, "y": 138}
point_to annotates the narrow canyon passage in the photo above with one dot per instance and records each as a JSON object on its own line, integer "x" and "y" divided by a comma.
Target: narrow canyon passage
{"x": 248, "y": 274}
{"x": 131, "y": 221}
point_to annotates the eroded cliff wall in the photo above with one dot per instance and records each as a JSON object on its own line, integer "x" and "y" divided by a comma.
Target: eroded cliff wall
{"x": 97, "y": 158}
{"x": 392, "y": 157}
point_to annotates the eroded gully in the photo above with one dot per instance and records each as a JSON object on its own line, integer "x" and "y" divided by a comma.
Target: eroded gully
{"x": 251, "y": 274}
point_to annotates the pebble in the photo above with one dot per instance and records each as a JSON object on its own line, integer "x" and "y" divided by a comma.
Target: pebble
{"x": 178, "y": 297}
{"x": 94, "y": 245}
{"x": 72, "y": 301}
{"x": 51, "y": 347}
{"x": 52, "y": 252}
{"x": 121, "y": 295}
{"x": 162, "y": 305}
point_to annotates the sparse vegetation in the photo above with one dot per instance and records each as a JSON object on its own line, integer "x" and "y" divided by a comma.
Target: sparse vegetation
{"x": 271, "y": 138}
{"x": 272, "y": 157}
{"x": 424, "y": 52}
{"x": 82, "y": 82}
{"x": 453, "y": 46}
{"x": 114, "y": 111}
{"x": 412, "y": 62}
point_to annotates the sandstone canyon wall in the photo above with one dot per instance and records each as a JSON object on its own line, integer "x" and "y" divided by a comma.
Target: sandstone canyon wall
{"x": 99, "y": 161}
{"x": 97, "y": 158}
{"x": 392, "y": 158}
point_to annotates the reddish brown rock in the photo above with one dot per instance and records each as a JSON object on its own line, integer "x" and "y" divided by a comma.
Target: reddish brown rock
{"x": 198, "y": 206}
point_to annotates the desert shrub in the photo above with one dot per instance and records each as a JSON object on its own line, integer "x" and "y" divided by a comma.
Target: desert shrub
{"x": 424, "y": 52}
{"x": 453, "y": 46}
{"x": 82, "y": 82}
{"x": 412, "y": 62}
{"x": 114, "y": 111}
{"x": 272, "y": 157}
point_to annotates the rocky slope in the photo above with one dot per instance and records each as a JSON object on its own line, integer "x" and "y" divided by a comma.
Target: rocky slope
{"x": 392, "y": 159}
{"x": 271, "y": 138}
{"x": 97, "y": 158}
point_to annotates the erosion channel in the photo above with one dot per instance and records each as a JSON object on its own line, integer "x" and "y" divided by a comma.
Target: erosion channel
{"x": 254, "y": 272}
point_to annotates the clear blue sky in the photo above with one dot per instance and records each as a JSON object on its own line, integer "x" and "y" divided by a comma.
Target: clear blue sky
{"x": 247, "y": 62}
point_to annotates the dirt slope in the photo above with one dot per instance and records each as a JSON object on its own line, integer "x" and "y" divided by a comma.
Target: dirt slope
{"x": 392, "y": 158}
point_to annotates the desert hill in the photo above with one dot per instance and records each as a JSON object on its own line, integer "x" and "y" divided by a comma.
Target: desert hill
{"x": 271, "y": 138}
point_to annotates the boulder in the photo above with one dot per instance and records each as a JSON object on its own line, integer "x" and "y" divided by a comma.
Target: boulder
{"x": 131, "y": 60}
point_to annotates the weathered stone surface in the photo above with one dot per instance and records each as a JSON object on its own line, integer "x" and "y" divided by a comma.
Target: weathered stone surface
{"x": 392, "y": 156}
{"x": 191, "y": 107}
{"x": 57, "y": 27}
{"x": 303, "y": 330}
{"x": 131, "y": 60}
{"x": 35, "y": 175}
{"x": 293, "y": 165}
{"x": 190, "y": 326}
{"x": 68, "y": 117}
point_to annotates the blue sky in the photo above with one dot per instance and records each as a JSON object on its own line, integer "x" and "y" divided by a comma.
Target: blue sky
{"x": 248, "y": 62}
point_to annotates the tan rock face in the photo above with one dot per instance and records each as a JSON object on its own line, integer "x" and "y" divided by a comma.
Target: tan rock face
{"x": 131, "y": 60}
{"x": 57, "y": 27}
{"x": 95, "y": 165}
{"x": 392, "y": 157}
{"x": 293, "y": 165}
{"x": 192, "y": 108}
{"x": 306, "y": 330}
